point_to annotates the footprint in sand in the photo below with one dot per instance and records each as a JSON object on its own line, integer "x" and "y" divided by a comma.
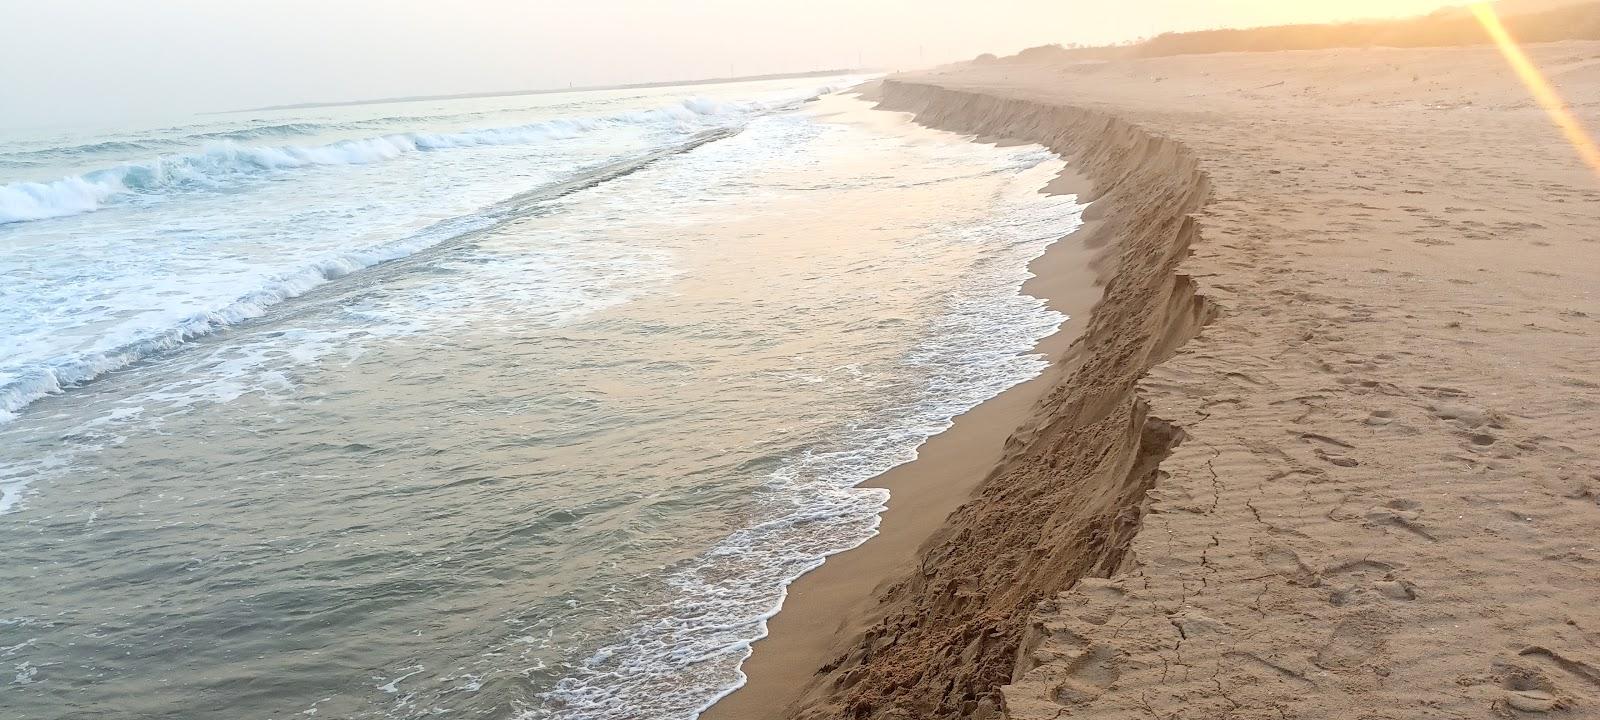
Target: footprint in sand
{"x": 1284, "y": 562}
{"x": 1466, "y": 416}
{"x": 1339, "y": 460}
{"x": 1585, "y": 492}
{"x": 1526, "y": 689}
{"x": 1355, "y": 641}
{"x": 1314, "y": 437}
{"x": 1252, "y": 660}
{"x": 1531, "y": 700}
{"x": 1400, "y": 514}
{"x": 1358, "y": 580}
{"x": 1334, "y": 457}
{"x": 1087, "y": 675}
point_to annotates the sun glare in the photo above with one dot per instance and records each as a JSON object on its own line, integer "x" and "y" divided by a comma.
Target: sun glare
{"x": 1546, "y": 95}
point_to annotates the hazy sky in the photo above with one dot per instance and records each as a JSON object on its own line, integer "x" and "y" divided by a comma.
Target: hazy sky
{"x": 98, "y": 61}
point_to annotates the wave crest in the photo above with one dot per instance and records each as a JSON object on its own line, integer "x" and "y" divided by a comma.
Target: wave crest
{"x": 21, "y": 385}
{"x": 227, "y": 162}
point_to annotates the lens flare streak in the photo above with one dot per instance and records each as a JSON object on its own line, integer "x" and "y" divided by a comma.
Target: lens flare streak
{"x": 1542, "y": 91}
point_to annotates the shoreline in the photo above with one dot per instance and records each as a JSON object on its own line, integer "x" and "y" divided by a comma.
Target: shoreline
{"x": 1317, "y": 505}
{"x": 828, "y": 606}
{"x": 934, "y": 630}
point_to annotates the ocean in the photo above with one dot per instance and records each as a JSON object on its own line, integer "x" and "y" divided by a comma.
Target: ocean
{"x": 513, "y": 407}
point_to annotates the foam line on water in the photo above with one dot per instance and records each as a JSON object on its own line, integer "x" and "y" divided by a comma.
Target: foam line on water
{"x": 226, "y": 163}
{"x": 681, "y": 657}
{"x": 21, "y": 386}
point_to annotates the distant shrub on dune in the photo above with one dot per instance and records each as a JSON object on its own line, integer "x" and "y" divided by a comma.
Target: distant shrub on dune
{"x": 1528, "y": 20}
{"x": 1055, "y": 53}
{"x": 1041, "y": 52}
{"x": 1526, "y": 7}
{"x": 1443, "y": 28}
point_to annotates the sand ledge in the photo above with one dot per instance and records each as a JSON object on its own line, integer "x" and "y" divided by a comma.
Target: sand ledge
{"x": 1384, "y": 501}
{"x": 1065, "y": 501}
{"x": 897, "y": 621}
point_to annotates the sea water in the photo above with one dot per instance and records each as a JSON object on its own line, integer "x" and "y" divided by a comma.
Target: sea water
{"x": 520, "y": 407}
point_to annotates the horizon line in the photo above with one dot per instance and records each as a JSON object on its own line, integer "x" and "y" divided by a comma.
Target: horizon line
{"x": 541, "y": 91}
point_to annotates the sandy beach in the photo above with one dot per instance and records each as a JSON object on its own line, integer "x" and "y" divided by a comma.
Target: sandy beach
{"x": 1325, "y": 446}
{"x": 838, "y": 599}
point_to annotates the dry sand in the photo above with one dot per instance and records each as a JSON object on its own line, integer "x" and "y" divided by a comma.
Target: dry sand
{"x": 1326, "y": 447}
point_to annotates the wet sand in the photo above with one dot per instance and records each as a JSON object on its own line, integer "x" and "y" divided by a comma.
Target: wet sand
{"x": 830, "y": 605}
{"x": 1326, "y": 446}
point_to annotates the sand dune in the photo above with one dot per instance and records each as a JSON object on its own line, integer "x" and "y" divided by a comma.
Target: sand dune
{"x": 1326, "y": 448}
{"x": 1528, "y": 20}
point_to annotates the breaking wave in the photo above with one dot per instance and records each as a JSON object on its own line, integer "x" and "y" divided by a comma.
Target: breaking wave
{"x": 20, "y": 386}
{"x": 227, "y": 160}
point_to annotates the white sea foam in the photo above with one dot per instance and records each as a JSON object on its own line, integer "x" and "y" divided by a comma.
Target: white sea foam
{"x": 685, "y": 651}
{"x": 43, "y": 360}
{"x": 547, "y": 280}
{"x": 23, "y": 201}
{"x": 680, "y": 658}
{"x": 225, "y": 163}
{"x": 22, "y": 385}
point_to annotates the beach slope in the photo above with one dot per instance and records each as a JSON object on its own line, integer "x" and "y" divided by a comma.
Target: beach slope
{"x": 1327, "y": 445}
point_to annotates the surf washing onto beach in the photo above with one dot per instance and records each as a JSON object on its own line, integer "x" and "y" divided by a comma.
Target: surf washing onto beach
{"x": 498, "y": 407}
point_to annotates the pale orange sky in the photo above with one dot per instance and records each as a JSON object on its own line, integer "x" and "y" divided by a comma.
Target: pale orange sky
{"x": 64, "y": 61}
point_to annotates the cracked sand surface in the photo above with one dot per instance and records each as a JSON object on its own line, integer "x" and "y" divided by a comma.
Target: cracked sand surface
{"x": 1385, "y": 505}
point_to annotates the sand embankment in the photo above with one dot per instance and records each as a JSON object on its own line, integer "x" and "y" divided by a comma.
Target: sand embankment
{"x": 1359, "y": 291}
